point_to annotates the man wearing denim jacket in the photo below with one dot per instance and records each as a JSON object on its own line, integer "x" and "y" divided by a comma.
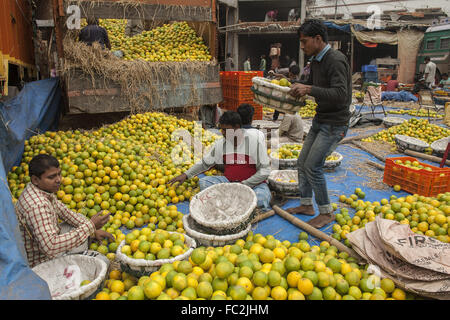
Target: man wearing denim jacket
{"x": 329, "y": 83}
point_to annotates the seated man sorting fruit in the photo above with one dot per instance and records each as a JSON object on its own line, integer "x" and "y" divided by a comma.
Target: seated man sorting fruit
{"x": 244, "y": 156}
{"x": 38, "y": 211}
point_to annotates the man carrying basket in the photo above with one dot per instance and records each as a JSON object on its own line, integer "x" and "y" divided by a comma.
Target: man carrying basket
{"x": 329, "y": 83}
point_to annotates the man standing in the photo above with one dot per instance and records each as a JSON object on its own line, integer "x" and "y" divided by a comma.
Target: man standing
{"x": 430, "y": 72}
{"x": 39, "y": 210}
{"x": 271, "y": 16}
{"x": 330, "y": 84}
{"x": 263, "y": 64}
{"x": 229, "y": 64}
{"x": 247, "y": 66}
{"x": 94, "y": 33}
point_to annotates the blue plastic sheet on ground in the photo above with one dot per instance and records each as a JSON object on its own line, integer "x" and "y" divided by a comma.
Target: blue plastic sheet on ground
{"x": 34, "y": 110}
{"x": 403, "y": 96}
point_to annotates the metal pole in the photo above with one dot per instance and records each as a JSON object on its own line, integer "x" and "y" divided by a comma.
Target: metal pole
{"x": 301, "y": 55}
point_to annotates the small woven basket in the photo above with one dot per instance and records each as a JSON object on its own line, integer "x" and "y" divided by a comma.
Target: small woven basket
{"x": 92, "y": 269}
{"x": 405, "y": 142}
{"x": 142, "y": 267}
{"x": 211, "y": 240}
{"x": 284, "y": 187}
{"x": 224, "y": 206}
{"x": 393, "y": 121}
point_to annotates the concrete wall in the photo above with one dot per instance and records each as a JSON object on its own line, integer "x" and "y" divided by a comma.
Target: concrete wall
{"x": 347, "y": 7}
{"x": 253, "y": 11}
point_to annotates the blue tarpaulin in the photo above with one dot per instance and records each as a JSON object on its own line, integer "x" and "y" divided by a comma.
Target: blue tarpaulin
{"x": 403, "y": 96}
{"x": 344, "y": 28}
{"x": 34, "y": 110}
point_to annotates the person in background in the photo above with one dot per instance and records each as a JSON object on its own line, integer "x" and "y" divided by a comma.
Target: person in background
{"x": 420, "y": 85}
{"x": 94, "y": 33}
{"x": 306, "y": 71}
{"x": 291, "y": 128}
{"x": 330, "y": 84}
{"x": 39, "y": 210}
{"x": 229, "y": 64}
{"x": 271, "y": 16}
{"x": 293, "y": 15}
{"x": 392, "y": 85}
{"x": 244, "y": 157}
{"x": 445, "y": 82}
{"x": 207, "y": 116}
{"x": 247, "y": 66}
{"x": 430, "y": 72}
{"x": 263, "y": 64}
{"x": 246, "y": 112}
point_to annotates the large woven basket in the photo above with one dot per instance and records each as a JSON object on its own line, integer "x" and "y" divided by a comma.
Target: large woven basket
{"x": 212, "y": 240}
{"x": 92, "y": 269}
{"x": 405, "y": 142}
{"x": 284, "y": 187}
{"x": 142, "y": 267}
{"x": 223, "y": 206}
{"x": 283, "y": 164}
{"x": 274, "y": 96}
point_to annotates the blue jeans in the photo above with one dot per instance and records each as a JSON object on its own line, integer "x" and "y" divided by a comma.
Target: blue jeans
{"x": 320, "y": 142}
{"x": 262, "y": 191}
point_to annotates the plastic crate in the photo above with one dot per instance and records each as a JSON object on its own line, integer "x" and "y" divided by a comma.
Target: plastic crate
{"x": 241, "y": 93}
{"x": 243, "y": 78}
{"x": 423, "y": 182}
{"x": 369, "y": 67}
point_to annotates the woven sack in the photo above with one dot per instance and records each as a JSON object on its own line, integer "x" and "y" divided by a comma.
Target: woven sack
{"x": 275, "y": 96}
{"x": 223, "y": 206}
{"x": 141, "y": 267}
{"x": 284, "y": 187}
{"x": 92, "y": 269}
{"x": 405, "y": 142}
{"x": 211, "y": 240}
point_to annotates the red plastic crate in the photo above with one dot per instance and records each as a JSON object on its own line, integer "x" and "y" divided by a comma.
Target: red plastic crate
{"x": 423, "y": 182}
{"x": 243, "y": 78}
{"x": 241, "y": 93}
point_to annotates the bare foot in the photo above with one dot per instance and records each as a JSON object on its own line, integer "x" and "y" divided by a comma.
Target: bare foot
{"x": 321, "y": 220}
{"x": 306, "y": 210}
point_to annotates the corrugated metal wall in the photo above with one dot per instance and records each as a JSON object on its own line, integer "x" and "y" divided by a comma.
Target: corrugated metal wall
{"x": 16, "y": 33}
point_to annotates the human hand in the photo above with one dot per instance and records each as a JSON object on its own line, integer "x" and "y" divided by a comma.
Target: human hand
{"x": 181, "y": 178}
{"x": 299, "y": 90}
{"x": 100, "y": 220}
{"x": 102, "y": 234}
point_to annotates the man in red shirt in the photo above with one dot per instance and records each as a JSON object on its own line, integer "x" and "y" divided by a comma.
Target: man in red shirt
{"x": 392, "y": 84}
{"x": 39, "y": 210}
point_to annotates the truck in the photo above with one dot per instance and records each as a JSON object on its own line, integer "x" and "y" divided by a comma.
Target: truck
{"x": 436, "y": 45}
{"x": 87, "y": 93}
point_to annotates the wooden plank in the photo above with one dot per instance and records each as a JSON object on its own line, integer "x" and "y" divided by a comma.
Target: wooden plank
{"x": 112, "y": 10}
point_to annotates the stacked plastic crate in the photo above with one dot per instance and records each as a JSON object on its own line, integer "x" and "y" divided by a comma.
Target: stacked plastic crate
{"x": 236, "y": 90}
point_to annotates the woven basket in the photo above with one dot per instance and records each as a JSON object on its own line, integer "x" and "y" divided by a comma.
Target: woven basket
{"x": 212, "y": 240}
{"x": 405, "y": 142}
{"x": 286, "y": 188}
{"x": 393, "y": 121}
{"x": 92, "y": 269}
{"x": 274, "y": 96}
{"x": 266, "y": 124}
{"x": 223, "y": 206}
{"x": 283, "y": 164}
{"x": 440, "y": 145}
{"x": 142, "y": 267}
{"x": 200, "y": 228}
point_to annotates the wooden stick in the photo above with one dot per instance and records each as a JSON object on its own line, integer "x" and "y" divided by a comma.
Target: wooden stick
{"x": 361, "y": 136}
{"x": 376, "y": 165}
{"x": 425, "y": 156}
{"x": 315, "y": 232}
{"x": 381, "y": 158}
{"x": 263, "y": 216}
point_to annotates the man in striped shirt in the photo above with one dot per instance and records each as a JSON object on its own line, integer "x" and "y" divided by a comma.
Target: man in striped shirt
{"x": 39, "y": 210}
{"x": 244, "y": 156}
